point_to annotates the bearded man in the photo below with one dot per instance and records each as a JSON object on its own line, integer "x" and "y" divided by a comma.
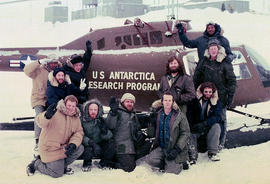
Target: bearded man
{"x": 177, "y": 82}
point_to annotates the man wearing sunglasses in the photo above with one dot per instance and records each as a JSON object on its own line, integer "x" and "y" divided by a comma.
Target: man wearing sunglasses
{"x": 204, "y": 117}
{"x": 76, "y": 67}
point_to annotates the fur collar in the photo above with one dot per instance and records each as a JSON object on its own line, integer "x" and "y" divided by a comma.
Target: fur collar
{"x": 221, "y": 54}
{"x": 61, "y": 106}
{"x": 86, "y": 105}
{"x": 158, "y": 105}
{"x": 213, "y": 99}
{"x": 54, "y": 82}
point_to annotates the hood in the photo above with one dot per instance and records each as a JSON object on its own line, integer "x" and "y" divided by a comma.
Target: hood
{"x": 85, "y": 112}
{"x": 61, "y": 106}
{"x": 217, "y": 33}
{"x": 157, "y": 105}
{"x": 48, "y": 68}
{"x": 54, "y": 82}
{"x": 220, "y": 56}
{"x": 213, "y": 99}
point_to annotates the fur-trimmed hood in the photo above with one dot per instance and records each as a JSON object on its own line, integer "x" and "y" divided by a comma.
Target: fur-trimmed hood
{"x": 85, "y": 111}
{"x": 54, "y": 82}
{"x": 61, "y": 106}
{"x": 48, "y": 68}
{"x": 157, "y": 105}
{"x": 220, "y": 56}
{"x": 213, "y": 99}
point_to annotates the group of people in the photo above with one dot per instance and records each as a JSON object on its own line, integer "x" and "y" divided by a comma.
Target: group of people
{"x": 72, "y": 126}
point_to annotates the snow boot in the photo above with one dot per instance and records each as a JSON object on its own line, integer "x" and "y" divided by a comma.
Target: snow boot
{"x": 213, "y": 157}
{"x": 87, "y": 165}
{"x": 68, "y": 171}
{"x": 30, "y": 169}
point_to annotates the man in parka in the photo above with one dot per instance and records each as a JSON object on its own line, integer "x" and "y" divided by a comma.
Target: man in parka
{"x": 60, "y": 139}
{"x": 171, "y": 132}
{"x": 96, "y": 139}
{"x": 213, "y": 68}
{"x": 126, "y": 129}
{"x": 204, "y": 117}
{"x": 179, "y": 83}
{"x": 38, "y": 71}
{"x": 76, "y": 67}
{"x": 59, "y": 86}
{"x": 213, "y": 30}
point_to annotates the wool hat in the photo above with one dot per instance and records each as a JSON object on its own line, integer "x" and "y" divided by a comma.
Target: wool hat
{"x": 127, "y": 96}
{"x": 212, "y": 42}
{"x": 76, "y": 59}
{"x": 59, "y": 69}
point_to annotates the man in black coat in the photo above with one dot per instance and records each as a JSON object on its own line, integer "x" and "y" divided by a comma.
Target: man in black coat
{"x": 213, "y": 30}
{"x": 204, "y": 117}
{"x": 76, "y": 67}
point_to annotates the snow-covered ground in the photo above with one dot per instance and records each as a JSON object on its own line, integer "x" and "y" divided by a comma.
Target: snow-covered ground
{"x": 239, "y": 165}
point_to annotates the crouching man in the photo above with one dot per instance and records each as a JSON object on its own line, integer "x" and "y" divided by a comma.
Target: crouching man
{"x": 60, "y": 139}
{"x": 204, "y": 116}
{"x": 171, "y": 131}
{"x": 96, "y": 139}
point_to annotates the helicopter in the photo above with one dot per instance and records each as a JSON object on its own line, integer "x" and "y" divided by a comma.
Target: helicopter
{"x": 131, "y": 58}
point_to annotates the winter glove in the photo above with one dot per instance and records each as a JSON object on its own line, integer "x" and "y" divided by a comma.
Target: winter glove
{"x": 180, "y": 28}
{"x": 82, "y": 84}
{"x": 44, "y": 61}
{"x": 95, "y": 147}
{"x": 70, "y": 149}
{"x": 114, "y": 106}
{"x": 89, "y": 46}
{"x": 171, "y": 155}
{"x": 230, "y": 58}
{"x": 51, "y": 111}
{"x": 141, "y": 139}
{"x": 230, "y": 99}
{"x": 102, "y": 126}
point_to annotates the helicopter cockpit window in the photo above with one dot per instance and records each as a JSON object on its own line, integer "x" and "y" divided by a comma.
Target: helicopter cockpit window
{"x": 145, "y": 40}
{"x": 156, "y": 37}
{"x": 240, "y": 68}
{"x": 117, "y": 41}
{"x": 136, "y": 39}
{"x": 190, "y": 62}
{"x": 101, "y": 43}
{"x": 262, "y": 66}
{"x": 127, "y": 39}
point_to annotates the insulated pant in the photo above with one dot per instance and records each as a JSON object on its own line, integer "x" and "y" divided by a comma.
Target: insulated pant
{"x": 56, "y": 168}
{"x": 157, "y": 158}
{"x": 213, "y": 136}
{"x": 37, "y": 129}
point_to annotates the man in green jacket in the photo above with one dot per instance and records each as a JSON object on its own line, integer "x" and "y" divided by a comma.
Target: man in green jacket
{"x": 126, "y": 129}
{"x": 96, "y": 139}
{"x": 171, "y": 131}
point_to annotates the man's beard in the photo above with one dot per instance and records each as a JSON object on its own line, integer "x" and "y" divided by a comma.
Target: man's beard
{"x": 129, "y": 108}
{"x": 174, "y": 70}
{"x": 206, "y": 98}
{"x": 93, "y": 116}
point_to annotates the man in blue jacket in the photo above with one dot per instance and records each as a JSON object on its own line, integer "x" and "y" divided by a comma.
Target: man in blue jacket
{"x": 204, "y": 117}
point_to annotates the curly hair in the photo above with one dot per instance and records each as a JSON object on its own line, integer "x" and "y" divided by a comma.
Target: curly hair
{"x": 181, "y": 70}
{"x": 208, "y": 85}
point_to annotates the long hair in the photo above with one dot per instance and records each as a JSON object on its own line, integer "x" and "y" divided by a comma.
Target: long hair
{"x": 181, "y": 70}
{"x": 208, "y": 85}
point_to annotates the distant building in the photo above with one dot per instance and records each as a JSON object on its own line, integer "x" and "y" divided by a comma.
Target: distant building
{"x": 56, "y": 12}
{"x": 112, "y": 8}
